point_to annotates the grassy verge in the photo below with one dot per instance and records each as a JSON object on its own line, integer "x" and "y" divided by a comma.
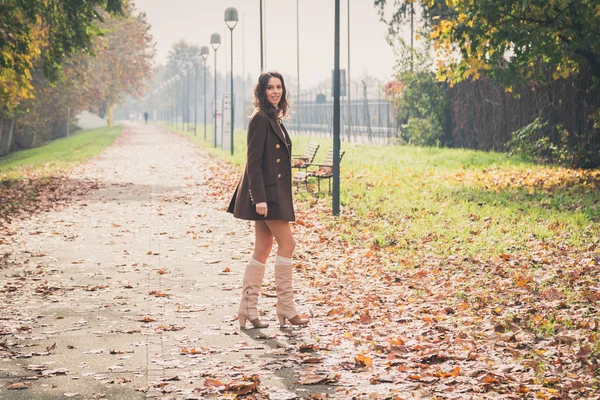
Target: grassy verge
{"x": 33, "y": 180}
{"x": 58, "y": 154}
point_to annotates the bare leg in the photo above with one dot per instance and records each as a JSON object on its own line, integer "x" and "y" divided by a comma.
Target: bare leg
{"x": 285, "y": 239}
{"x": 263, "y": 241}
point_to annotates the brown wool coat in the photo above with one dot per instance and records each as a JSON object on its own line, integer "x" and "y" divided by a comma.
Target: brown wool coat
{"x": 267, "y": 176}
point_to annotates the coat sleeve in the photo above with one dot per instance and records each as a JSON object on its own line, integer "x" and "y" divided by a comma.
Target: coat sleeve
{"x": 257, "y": 133}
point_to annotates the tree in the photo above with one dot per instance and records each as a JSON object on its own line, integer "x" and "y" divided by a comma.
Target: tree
{"x": 62, "y": 27}
{"x": 180, "y": 55}
{"x": 513, "y": 40}
{"x": 117, "y": 63}
{"x": 125, "y": 65}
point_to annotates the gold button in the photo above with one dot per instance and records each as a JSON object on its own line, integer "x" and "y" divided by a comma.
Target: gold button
{"x": 278, "y": 161}
{"x": 277, "y": 146}
{"x": 279, "y": 176}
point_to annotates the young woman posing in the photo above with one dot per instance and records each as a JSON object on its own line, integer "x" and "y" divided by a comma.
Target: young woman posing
{"x": 264, "y": 195}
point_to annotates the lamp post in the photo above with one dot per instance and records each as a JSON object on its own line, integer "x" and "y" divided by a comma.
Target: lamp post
{"x": 190, "y": 68}
{"x": 262, "y": 57}
{"x": 167, "y": 104}
{"x": 244, "y": 67}
{"x": 298, "y": 55}
{"x": 215, "y": 42}
{"x": 335, "y": 202}
{"x": 176, "y": 79}
{"x": 197, "y": 62}
{"x": 170, "y": 107}
{"x": 204, "y": 53}
{"x": 231, "y": 19}
{"x": 183, "y": 74}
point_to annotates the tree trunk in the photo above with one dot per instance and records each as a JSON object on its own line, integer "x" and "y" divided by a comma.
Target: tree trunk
{"x": 1, "y": 126}
{"x": 111, "y": 111}
{"x": 10, "y": 135}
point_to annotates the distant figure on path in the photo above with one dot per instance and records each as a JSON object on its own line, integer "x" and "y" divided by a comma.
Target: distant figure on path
{"x": 146, "y": 117}
{"x": 264, "y": 195}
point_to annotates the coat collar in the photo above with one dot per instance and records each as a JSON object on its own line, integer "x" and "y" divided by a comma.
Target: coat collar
{"x": 279, "y": 131}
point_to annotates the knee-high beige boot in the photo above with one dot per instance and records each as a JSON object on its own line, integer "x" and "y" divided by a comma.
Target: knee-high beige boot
{"x": 255, "y": 271}
{"x": 285, "y": 293}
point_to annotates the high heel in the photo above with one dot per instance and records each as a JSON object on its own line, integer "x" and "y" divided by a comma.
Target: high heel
{"x": 295, "y": 320}
{"x": 255, "y": 272}
{"x": 285, "y": 294}
{"x": 256, "y": 323}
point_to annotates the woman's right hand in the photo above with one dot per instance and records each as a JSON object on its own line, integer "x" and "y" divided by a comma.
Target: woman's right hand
{"x": 262, "y": 209}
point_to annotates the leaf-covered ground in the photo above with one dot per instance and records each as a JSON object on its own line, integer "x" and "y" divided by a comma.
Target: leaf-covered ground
{"x": 130, "y": 290}
{"x": 523, "y": 324}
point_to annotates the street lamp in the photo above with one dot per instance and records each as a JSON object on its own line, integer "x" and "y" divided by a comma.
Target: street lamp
{"x": 176, "y": 79}
{"x": 197, "y": 62}
{"x": 169, "y": 106}
{"x": 231, "y": 19}
{"x": 167, "y": 110}
{"x": 204, "y": 53}
{"x": 190, "y": 68}
{"x": 183, "y": 73}
{"x": 215, "y": 42}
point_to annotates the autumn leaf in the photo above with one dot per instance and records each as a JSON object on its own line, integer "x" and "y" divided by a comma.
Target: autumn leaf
{"x": 454, "y": 373}
{"x": 210, "y": 382}
{"x": 242, "y": 387}
{"x": 18, "y": 386}
{"x": 363, "y": 361}
{"x": 192, "y": 351}
{"x": 365, "y": 319}
{"x": 157, "y": 293}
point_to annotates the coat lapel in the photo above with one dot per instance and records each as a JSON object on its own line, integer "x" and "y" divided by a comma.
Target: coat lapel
{"x": 279, "y": 133}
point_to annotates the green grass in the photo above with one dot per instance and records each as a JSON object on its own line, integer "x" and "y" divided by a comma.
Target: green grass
{"x": 405, "y": 197}
{"x": 58, "y": 154}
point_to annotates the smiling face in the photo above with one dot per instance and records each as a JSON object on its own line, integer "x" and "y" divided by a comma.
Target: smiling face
{"x": 274, "y": 91}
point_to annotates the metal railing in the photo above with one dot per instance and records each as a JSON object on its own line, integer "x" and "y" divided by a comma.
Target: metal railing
{"x": 364, "y": 120}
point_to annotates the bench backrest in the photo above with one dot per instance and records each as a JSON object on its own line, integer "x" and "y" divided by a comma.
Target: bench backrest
{"x": 329, "y": 157}
{"x": 311, "y": 151}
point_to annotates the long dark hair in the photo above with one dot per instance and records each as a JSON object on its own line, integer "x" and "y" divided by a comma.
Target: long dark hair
{"x": 260, "y": 96}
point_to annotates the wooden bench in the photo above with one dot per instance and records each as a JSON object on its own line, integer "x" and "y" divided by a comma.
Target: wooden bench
{"x": 323, "y": 171}
{"x": 303, "y": 161}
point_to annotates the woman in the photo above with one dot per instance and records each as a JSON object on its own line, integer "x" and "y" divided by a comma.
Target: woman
{"x": 264, "y": 195}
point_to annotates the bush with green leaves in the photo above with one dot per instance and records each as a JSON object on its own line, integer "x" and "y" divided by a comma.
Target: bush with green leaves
{"x": 422, "y": 103}
{"x": 534, "y": 141}
{"x": 422, "y": 132}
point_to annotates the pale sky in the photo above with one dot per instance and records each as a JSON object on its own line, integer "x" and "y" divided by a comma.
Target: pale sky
{"x": 196, "y": 20}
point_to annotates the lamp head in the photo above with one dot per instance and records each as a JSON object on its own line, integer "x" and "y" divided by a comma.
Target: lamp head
{"x": 204, "y": 52}
{"x": 231, "y": 17}
{"x": 215, "y": 41}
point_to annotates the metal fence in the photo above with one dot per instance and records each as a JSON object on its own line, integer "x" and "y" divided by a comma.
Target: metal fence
{"x": 363, "y": 120}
